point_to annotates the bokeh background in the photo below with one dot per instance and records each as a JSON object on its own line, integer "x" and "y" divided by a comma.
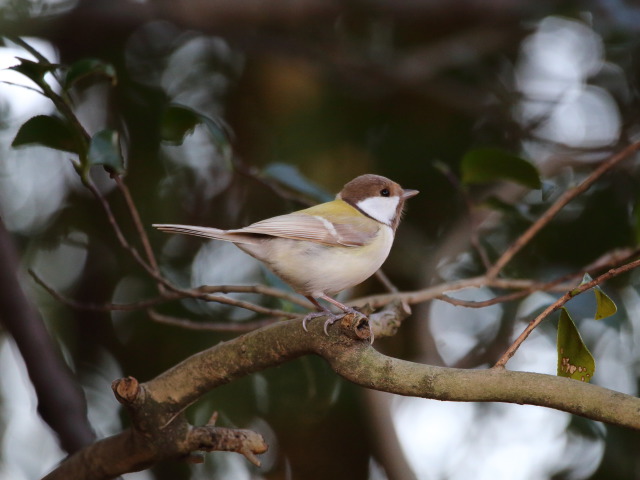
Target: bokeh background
{"x": 314, "y": 93}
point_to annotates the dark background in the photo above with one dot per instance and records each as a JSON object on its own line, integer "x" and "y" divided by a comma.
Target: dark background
{"x": 315, "y": 93}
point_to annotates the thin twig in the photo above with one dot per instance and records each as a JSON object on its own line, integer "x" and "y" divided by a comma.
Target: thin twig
{"x": 123, "y": 241}
{"x": 197, "y": 293}
{"x": 110, "y": 216}
{"x": 486, "y": 303}
{"x": 609, "y": 260}
{"x": 382, "y": 277}
{"x": 260, "y": 289}
{"x": 564, "y": 199}
{"x": 249, "y": 306}
{"x": 430, "y": 293}
{"x": 558, "y": 304}
{"x": 106, "y": 307}
{"x": 209, "y": 326}
{"x": 384, "y": 280}
{"x": 142, "y": 234}
{"x": 555, "y": 285}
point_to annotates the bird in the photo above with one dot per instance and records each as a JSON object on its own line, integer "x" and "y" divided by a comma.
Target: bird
{"x": 325, "y": 249}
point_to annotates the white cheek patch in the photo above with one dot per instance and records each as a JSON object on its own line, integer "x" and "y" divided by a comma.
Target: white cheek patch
{"x": 382, "y": 209}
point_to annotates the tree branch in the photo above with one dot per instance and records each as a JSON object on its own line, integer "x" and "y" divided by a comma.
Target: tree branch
{"x": 200, "y": 293}
{"x": 564, "y": 199}
{"x": 61, "y": 402}
{"x": 156, "y": 406}
{"x": 523, "y": 287}
{"x": 137, "y": 222}
{"x": 436, "y": 291}
{"x": 208, "y": 326}
{"x": 558, "y": 304}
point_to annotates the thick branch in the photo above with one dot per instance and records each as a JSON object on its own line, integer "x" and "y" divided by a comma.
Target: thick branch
{"x": 61, "y": 402}
{"x": 156, "y": 405}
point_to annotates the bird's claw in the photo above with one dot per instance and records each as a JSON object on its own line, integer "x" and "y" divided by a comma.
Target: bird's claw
{"x": 311, "y": 316}
{"x": 331, "y": 320}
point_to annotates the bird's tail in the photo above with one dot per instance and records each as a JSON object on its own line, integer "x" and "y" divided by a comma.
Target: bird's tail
{"x": 208, "y": 232}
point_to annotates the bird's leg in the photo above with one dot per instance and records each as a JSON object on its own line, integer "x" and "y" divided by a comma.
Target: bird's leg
{"x": 323, "y": 311}
{"x": 338, "y": 304}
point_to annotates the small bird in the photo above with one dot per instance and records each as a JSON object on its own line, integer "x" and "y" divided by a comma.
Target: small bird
{"x": 325, "y": 249}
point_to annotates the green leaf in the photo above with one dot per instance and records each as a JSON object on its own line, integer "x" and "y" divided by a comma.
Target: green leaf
{"x": 89, "y": 67}
{"x": 291, "y": 177}
{"x": 574, "y": 358}
{"x": 484, "y": 165}
{"x": 104, "y": 149}
{"x": 605, "y": 307}
{"x": 47, "y": 131}
{"x": 179, "y": 121}
{"x": 33, "y": 70}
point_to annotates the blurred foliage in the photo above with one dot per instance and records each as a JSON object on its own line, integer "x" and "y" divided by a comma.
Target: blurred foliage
{"x": 222, "y": 115}
{"x": 486, "y": 165}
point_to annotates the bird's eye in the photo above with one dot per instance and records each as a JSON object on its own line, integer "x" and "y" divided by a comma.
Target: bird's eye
{"x": 384, "y": 192}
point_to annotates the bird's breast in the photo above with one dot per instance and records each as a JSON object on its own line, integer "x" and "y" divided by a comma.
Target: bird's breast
{"x": 313, "y": 269}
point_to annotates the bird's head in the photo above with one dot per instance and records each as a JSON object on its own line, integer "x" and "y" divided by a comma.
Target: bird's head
{"x": 377, "y": 197}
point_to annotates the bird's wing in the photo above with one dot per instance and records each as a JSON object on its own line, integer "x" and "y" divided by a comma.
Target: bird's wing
{"x": 207, "y": 232}
{"x": 314, "y": 228}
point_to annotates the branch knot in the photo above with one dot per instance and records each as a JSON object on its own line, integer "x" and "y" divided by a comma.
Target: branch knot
{"x": 127, "y": 390}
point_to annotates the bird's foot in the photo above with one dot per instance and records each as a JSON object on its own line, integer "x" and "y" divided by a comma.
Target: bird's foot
{"x": 313, "y": 315}
{"x": 332, "y": 318}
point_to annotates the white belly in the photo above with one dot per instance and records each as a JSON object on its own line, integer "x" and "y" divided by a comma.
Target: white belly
{"x": 314, "y": 269}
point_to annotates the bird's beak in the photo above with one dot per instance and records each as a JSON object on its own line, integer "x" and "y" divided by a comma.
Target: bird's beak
{"x": 409, "y": 193}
